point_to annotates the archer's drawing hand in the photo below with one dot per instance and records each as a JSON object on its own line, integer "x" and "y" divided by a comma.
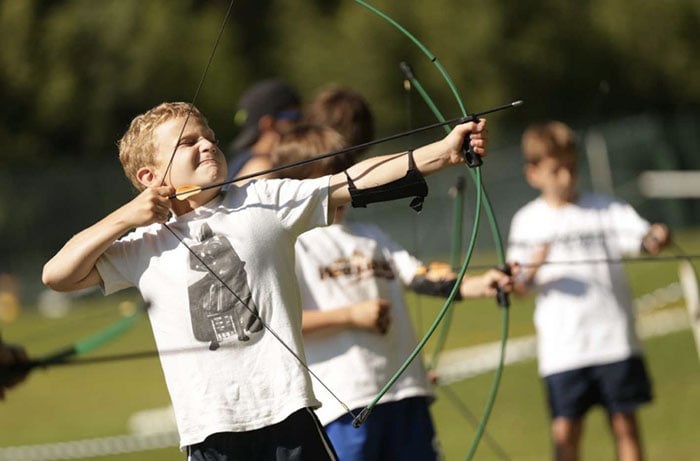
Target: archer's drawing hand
{"x": 486, "y": 284}
{"x": 152, "y": 205}
{"x": 477, "y": 135}
{"x": 373, "y": 315}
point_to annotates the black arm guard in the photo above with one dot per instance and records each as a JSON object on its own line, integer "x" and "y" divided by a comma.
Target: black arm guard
{"x": 423, "y": 286}
{"x": 411, "y": 185}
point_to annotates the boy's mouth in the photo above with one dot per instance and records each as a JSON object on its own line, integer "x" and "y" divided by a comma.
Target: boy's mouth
{"x": 206, "y": 161}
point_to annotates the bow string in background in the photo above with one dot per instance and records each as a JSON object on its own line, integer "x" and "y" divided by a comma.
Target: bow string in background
{"x": 480, "y": 192}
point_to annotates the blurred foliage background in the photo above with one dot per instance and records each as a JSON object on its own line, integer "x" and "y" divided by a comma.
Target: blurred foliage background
{"x": 74, "y": 73}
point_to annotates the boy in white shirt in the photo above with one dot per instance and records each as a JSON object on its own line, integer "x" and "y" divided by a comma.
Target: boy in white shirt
{"x": 357, "y": 331}
{"x": 588, "y": 350}
{"x": 219, "y": 276}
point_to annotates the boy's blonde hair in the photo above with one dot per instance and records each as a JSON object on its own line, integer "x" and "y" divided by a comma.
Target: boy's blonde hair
{"x": 550, "y": 139}
{"x": 306, "y": 141}
{"x": 137, "y": 147}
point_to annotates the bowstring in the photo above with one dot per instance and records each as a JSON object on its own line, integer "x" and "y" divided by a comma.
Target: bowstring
{"x": 220, "y": 34}
{"x": 299, "y": 359}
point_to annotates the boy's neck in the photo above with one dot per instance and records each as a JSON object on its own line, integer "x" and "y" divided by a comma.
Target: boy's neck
{"x": 557, "y": 202}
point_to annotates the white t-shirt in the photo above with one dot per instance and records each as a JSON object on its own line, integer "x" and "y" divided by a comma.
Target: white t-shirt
{"x": 344, "y": 264}
{"x": 236, "y": 376}
{"x": 583, "y": 313}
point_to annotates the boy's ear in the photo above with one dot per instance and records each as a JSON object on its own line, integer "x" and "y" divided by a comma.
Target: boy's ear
{"x": 531, "y": 175}
{"x": 147, "y": 176}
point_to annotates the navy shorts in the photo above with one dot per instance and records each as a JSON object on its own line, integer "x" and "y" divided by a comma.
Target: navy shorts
{"x": 394, "y": 431}
{"x": 620, "y": 387}
{"x": 300, "y": 437}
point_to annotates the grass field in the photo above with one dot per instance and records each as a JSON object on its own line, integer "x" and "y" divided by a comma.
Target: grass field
{"x": 72, "y": 403}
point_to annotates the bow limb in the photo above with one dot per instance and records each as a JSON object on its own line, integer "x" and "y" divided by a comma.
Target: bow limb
{"x": 90, "y": 343}
{"x": 448, "y": 302}
{"x": 364, "y": 414}
{"x": 502, "y": 298}
{"x": 448, "y": 80}
{"x": 476, "y": 174}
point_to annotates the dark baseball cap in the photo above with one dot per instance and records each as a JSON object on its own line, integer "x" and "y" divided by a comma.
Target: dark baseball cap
{"x": 273, "y": 97}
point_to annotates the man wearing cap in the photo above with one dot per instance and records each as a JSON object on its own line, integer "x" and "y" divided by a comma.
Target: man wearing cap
{"x": 267, "y": 109}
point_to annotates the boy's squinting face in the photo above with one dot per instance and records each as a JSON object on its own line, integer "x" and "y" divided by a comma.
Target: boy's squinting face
{"x": 555, "y": 178}
{"x": 197, "y": 161}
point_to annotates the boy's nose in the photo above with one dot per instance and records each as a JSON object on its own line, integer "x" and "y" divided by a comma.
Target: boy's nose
{"x": 207, "y": 145}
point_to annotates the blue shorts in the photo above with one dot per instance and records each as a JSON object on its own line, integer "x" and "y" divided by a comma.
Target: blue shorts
{"x": 394, "y": 431}
{"x": 620, "y": 387}
{"x": 298, "y": 437}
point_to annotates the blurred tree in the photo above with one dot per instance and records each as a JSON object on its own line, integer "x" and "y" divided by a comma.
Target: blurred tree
{"x": 74, "y": 73}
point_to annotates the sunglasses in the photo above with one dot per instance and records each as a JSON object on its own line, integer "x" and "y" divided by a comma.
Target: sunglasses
{"x": 290, "y": 114}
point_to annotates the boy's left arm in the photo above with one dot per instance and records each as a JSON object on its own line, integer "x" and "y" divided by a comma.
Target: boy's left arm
{"x": 429, "y": 159}
{"x": 439, "y": 280}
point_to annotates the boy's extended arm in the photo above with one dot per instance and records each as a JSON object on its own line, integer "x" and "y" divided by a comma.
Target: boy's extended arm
{"x": 486, "y": 284}
{"x": 74, "y": 266}
{"x": 429, "y": 159}
{"x": 439, "y": 280}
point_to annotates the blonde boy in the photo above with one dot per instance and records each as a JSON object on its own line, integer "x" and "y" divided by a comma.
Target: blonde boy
{"x": 218, "y": 271}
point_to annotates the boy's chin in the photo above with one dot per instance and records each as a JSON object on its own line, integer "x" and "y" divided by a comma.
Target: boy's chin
{"x": 213, "y": 176}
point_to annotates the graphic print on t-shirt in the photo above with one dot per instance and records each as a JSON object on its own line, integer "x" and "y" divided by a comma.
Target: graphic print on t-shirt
{"x": 359, "y": 266}
{"x": 217, "y": 314}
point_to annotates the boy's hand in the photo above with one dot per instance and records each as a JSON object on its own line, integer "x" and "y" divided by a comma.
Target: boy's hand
{"x": 478, "y": 139}
{"x": 658, "y": 237}
{"x": 11, "y": 355}
{"x": 373, "y": 315}
{"x": 150, "y": 206}
{"x": 485, "y": 285}
{"x": 437, "y": 272}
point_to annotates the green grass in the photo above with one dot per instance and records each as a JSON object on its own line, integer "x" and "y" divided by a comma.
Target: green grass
{"x": 519, "y": 421}
{"x": 80, "y": 402}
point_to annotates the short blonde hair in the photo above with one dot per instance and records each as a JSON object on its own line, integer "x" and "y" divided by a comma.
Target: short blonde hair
{"x": 306, "y": 141}
{"x": 137, "y": 147}
{"x": 550, "y": 139}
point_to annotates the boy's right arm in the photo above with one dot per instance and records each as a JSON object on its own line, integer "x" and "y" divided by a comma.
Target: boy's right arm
{"x": 372, "y": 315}
{"x": 74, "y": 266}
